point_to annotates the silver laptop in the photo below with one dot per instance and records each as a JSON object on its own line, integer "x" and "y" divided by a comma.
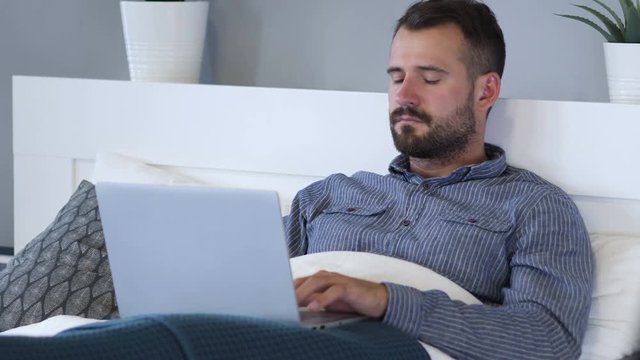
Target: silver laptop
{"x": 188, "y": 249}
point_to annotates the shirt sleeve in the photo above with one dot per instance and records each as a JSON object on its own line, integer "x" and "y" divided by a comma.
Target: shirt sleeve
{"x": 302, "y": 212}
{"x": 544, "y": 307}
{"x": 295, "y": 225}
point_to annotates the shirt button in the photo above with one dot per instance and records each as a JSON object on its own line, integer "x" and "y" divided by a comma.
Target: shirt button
{"x": 425, "y": 186}
{"x": 405, "y": 222}
{"x": 472, "y": 221}
{"x": 351, "y": 209}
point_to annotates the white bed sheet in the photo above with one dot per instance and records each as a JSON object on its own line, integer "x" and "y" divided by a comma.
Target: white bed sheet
{"x": 50, "y": 327}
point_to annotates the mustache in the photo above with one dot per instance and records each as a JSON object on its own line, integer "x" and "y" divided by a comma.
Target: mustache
{"x": 409, "y": 111}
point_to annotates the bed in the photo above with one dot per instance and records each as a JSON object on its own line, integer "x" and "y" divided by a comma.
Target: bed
{"x": 67, "y": 130}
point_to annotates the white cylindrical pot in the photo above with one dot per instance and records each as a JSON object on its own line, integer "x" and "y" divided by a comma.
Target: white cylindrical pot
{"x": 164, "y": 40}
{"x": 623, "y": 72}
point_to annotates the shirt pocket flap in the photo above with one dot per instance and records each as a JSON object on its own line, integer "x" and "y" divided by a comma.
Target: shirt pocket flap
{"x": 486, "y": 220}
{"x": 355, "y": 210}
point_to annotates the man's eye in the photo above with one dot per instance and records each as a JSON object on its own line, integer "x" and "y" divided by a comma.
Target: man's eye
{"x": 431, "y": 81}
{"x": 397, "y": 80}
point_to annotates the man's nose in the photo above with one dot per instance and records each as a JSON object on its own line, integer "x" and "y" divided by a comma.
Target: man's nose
{"x": 407, "y": 94}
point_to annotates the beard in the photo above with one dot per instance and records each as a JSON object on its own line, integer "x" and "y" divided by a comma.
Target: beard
{"x": 446, "y": 138}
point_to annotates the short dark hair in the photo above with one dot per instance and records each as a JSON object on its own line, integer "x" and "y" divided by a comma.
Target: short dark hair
{"x": 477, "y": 22}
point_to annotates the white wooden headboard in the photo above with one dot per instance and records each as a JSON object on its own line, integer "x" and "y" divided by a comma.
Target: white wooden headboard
{"x": 284, "y": 139}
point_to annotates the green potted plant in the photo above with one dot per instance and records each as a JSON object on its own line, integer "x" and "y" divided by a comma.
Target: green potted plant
{"x": 164, "y": 39}
{"x": 621, "y": 49}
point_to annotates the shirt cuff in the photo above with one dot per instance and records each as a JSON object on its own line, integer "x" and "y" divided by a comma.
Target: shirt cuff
{"x": 404, "y": 310}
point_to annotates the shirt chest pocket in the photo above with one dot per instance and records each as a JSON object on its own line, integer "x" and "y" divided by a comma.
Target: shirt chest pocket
{"x": 475, "y": 243}
{"x": 350, "y": 217}
{"x": 354, "y": 210}
{"x": 477, "y": 221}
{"x": 347, "y": 228}
{"x": 473, "y": 233}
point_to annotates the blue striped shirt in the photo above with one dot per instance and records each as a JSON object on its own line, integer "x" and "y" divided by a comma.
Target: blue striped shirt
{"x": 509, "y": 237}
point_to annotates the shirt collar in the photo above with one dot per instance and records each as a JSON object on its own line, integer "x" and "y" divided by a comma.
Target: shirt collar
{"x": 494, "y": 166}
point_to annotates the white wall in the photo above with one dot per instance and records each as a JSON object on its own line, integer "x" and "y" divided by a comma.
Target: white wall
{"x": 549, "y": 57}
{"x": 343, "y": 44}
{"x": 328, "y": 44}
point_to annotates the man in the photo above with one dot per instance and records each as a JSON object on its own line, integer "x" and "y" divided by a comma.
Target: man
{"x": 452, "y": 204}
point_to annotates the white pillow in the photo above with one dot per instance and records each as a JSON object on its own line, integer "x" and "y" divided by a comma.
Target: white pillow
{"x": 113, "y": 167}
{"x": 381, "y": 268}
{"x": 119, "y": 168}
{"x": 614, "y": 321}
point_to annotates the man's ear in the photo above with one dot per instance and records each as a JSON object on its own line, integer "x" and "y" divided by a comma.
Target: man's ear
{"x": 487, "y": 90}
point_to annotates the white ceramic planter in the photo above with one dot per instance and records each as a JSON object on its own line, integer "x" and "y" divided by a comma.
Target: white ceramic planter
{"x": 164, "y": 40}
{"x": 623, "y": 72}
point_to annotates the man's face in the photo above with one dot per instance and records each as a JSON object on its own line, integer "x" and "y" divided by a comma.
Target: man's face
{"x": 431, "y": 100}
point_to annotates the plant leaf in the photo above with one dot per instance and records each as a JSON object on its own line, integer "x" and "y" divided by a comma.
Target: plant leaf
{"x": 613, "y": 13}
{"x": 616, "y": 32}
{"x": 632, "y": 18}
{"x": 602, "y": 31}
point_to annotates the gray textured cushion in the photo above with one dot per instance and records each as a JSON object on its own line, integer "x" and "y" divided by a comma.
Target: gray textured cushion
{"x": 64, "y": 270}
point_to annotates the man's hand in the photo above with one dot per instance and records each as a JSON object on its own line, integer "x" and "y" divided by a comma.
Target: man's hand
{"x": 337, "y": 292}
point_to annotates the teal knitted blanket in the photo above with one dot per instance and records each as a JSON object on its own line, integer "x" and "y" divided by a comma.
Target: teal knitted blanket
{"x": 214, "y": 337}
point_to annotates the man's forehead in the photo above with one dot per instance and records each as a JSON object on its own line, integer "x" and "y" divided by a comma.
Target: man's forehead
{"x": 431, "y": 46}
